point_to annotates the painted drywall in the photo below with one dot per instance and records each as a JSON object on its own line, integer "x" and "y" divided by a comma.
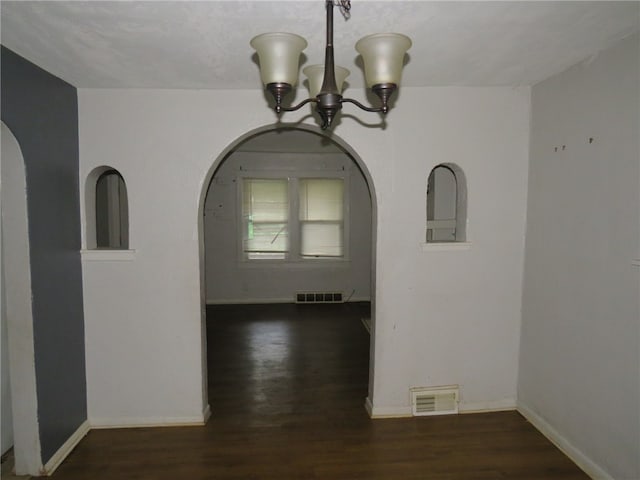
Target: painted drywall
{"x": 6, "y": 418}
{"x": 231, "y": 280}
{"x": 441, "y": 317}
{"x": 580, "y": 355}
{"x": 41, "y": 111}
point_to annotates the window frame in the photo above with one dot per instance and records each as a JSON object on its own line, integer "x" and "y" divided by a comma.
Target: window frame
{"x": 302, "y": 223}
{"x": 241, "y": 221}
{"x": 293, "y": 256}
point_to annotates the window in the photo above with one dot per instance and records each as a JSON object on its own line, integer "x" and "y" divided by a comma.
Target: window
{"x": 321, "y": 217}
{"x": 265, "y": 214}
{"x": 112, "y": 223}
{"x": 446, "y": 205}
{"x": 293, "y": 218}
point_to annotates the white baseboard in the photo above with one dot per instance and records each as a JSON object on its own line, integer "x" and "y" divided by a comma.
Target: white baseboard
{"x": 579, "y": 458}
{"x": 485, "y": 407}
{"x": 258, "y": 301}
{"x": 466, "y": 408}
{"x": 249, "y": 301}
{"x": 137, "y": 422}
{"x": 387, "y": 412}
{"x": 206, "y": 414}
{"x": 357, "y": 299}
{"x": 66, "y": 448}
{"x": 368, "y": 406}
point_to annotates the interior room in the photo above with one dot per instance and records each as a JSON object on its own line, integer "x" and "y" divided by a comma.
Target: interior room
{"x": 482, "y": 223}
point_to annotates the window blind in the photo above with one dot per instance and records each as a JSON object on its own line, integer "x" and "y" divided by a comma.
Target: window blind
{"x": 321, "y": 206}
{"x": 265, "y": 214}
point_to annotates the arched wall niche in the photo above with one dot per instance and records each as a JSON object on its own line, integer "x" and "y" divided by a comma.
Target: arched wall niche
{"x": 446, "y": 191}
{"x": 92, "y": 219}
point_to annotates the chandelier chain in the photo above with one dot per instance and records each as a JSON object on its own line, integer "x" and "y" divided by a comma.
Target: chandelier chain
{"x": 345, "y": 7}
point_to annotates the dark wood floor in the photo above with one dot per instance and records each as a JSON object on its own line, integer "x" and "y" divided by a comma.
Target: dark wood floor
{"x": 287, "y": 385}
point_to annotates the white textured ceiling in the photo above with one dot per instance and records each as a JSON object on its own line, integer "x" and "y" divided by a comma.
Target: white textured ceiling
{"x": 205, "y": 44}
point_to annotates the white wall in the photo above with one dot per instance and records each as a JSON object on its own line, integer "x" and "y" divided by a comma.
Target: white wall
{"x": 452, "y": 317}
{"x": 230, "y": 280}
{"x": 442, "y": 317}
{"x": 580, "y": 353}
{"x": 6, "y": 421}
{"x": 6, "y": 418}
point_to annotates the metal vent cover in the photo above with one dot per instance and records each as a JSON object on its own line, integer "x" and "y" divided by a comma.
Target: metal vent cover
{"x": 434, "y": 400}
{"x": 319, "y": 297}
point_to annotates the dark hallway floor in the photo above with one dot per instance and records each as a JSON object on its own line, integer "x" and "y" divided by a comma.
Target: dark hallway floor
{"x": 288, "y": 365}
{"x": 287, "y": 386}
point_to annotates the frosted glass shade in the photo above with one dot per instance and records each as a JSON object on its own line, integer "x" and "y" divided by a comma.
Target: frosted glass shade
{"x": 315, "y": 74}
{"x": 279, "y": 55}
{"x": 383, "y": 55}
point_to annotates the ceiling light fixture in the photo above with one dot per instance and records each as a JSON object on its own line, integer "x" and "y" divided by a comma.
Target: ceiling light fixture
{"x": 279, "y": 55}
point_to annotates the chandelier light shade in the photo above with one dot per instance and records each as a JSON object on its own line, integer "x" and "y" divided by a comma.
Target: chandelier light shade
{"x": 279, "y": 56}
{"x": 383, "y": 56}
{"x": 315, "y": 75}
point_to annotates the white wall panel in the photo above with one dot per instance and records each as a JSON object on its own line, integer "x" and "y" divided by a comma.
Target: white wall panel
{"x": 442, "y": 317}
{"x": 580, "y": 350}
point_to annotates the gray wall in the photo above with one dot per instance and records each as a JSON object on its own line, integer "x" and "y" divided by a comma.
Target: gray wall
{"x": 42, "y": 112}
{"x": 230, "y": 280}
{"x": 580, "y": 355}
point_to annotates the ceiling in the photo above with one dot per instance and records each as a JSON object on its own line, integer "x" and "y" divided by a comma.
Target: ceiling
{"x": 205, "y": 44}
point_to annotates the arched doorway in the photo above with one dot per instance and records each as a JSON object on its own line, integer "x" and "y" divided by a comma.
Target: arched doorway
{"x": 16, "y": 307}
{"x": 358, "y": 166}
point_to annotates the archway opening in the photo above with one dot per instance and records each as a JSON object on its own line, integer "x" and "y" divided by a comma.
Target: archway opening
{"x": 288, "y": 217}
{"x": 17, "y": 317}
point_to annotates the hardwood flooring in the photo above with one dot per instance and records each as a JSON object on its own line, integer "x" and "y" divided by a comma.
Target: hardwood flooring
{"x": 287, "y": 386}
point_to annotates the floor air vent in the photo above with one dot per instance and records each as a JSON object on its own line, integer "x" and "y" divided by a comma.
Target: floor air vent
{"x": 319, "y": 297}
{"x": 434, "y": 401}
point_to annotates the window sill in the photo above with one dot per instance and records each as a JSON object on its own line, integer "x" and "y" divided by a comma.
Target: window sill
{"x": 445, "y": 246}
{"x": 106, "y": 255}
{"x": 301, "y": 264}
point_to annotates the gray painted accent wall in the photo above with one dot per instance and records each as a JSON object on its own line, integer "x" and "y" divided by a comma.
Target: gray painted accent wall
{"x": 42, "y": 112}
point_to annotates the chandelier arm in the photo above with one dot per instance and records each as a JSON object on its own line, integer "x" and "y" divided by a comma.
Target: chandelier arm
{"x": 364, "y": 107}
{"x": 298, "y": 106}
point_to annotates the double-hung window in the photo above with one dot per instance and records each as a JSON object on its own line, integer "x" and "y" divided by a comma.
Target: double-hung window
{"x": 321, "y": 215}
{"x": 294, "y": 218}
{"x": 265, "y": 218}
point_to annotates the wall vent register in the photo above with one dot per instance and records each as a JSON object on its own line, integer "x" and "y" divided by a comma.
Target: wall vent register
{"x": 319, "y": 297}
{"x": 434, "y": 401}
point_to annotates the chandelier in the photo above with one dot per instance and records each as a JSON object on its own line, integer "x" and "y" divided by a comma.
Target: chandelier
{"x": 279, "y": 55}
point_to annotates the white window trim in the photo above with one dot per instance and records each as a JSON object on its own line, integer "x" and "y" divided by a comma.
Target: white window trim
{"x": 445, "y": 246}
{"x": 107, "y": 255}
{"x": 293, "y": 256}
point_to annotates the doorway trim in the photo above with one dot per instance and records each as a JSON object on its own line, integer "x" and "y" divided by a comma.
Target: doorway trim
{"x": 16, "y": 268}
{"x": 201, "y": 247}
